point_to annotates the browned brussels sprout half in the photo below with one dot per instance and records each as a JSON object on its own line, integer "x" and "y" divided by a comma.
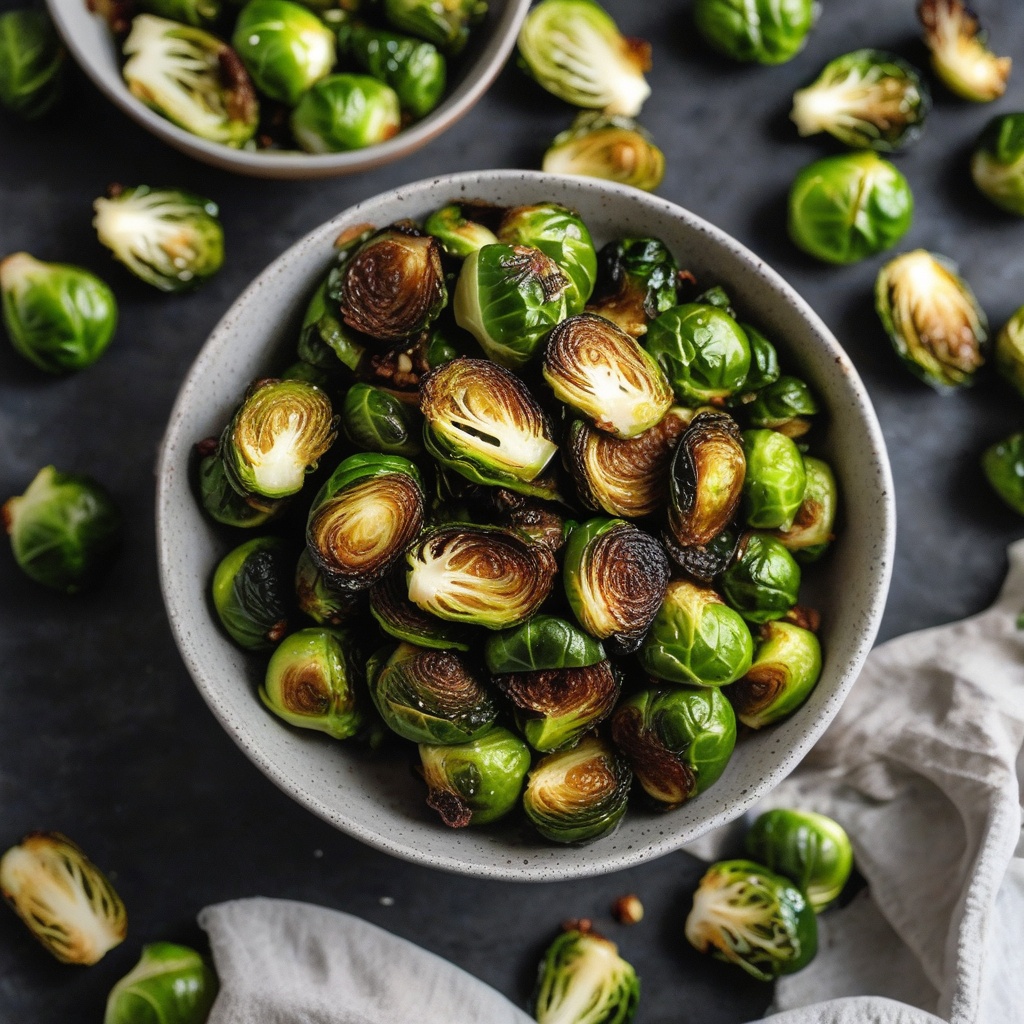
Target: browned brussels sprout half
{"x": 637, "y": 279}
{"x": 324, "y": 604}
{"x": 252, "y": 592}
{"x": 400, "y": 618}
{"x": 960, "y": 55}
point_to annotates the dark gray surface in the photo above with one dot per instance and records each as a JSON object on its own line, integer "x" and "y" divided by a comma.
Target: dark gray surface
{"x": 102, "y": 734}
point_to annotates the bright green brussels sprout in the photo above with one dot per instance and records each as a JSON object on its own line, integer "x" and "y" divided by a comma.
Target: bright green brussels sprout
{"x": 313, "y": 682}
{"x": 637, "y": 278}
{"x": 324, "y": 604}
{"x": 1003, "y": 464}
{"x": 377, "y": 421}
{"x": 324, "y": 340}
{"x": 583, "y": 980}
{"x": 785, "y": 669}
{"x": 997, "y": 165}
{"x": 615, "y": 578}
{"x": 544, "y": 642}
{"x": 960, "y": 56}
{"x": 775, "y": 482}
{"x": 703, "y": 351}
{"x": 783, "y": 406}
{"x": 766, "y": 31}
{"x": 58, "y": 316}
{"x": 811, "y": 849}
{"x": 63, "y": 529}
{"x": 574, "y": 49}
{"x": 764, "y": 361}
{"x": 867, "y": 99}
{"x": 478, "y": 782}
{"x": 678, "y": 740}
{"x": 932, "y": 318}
{"x": 459, "y": 236}
{"x": 696, "y": 638}
{"x": 31, "y": 63}
{"x": 1009, "y": 351}
{"x": 342, "y": 112}
{"x": 578, "y": 795}
{"x": 445, "y": 24}
{"x": 199, "y": 13}
{"x": 224, "y": 504}
{"x": 749, "y": 916}
{"x": 703, "y": 562}
{"x": 170, "y": 984}
{"x": 400, "y": 618}
{"x": 763, "y": 581}
{"x": 252, "y": 592}
{"x": 812, "y": 529}
{"x": 845, "y": 208}
{"x": 192, "y": 78}
{"x": 166, "y": 237}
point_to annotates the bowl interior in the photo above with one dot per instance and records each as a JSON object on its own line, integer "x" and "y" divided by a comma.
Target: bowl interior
{"x": 380, "y": 801}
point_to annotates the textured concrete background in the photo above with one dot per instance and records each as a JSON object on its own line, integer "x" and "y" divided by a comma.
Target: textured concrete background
{"x": 102, "y": 734}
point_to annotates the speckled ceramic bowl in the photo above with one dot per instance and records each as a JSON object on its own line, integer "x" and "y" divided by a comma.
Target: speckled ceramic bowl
{"x": 379, "y": 800}
{"x": 94, "y": 48}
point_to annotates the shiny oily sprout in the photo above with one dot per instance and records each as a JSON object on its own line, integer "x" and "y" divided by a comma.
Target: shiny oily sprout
{"x": 960, "y": 56}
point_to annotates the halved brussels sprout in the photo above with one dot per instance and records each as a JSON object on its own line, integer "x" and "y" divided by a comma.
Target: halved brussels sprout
{"x": 749, "y": 916}
{"x": 544, "y": 642}
{"x": 66, "y": 902}
{"x": 766, "y": 31}
{"x": 704, "y": 562}
{"x": 574, "y": 49}
{"x": 783, "y": 406}
{"x": 191, "y": 78}
{"x": 637, "y": 278}
{"x": 868, "y": 99}
{"x": 814, "y": 522}
{"x": 480, "y": 575}
{"x": 224, "y": 504}
{"x": 201, "y": 13}
{"x": 252, "y": 592}
{"x": 170, "y": 984}
{"x": 845, "y": 208}
{"x": 578, "y": 795}
{"x": 342, "y": 112}
{"x": 932, "y": 318}
{"x": 764, "y": 361}
{"x": 377, "y": 421}
{"x": 615, "y": 578}
{"x": 324, "y": 604}
{"x": 1003, "y": 464}
{"x": 811, "y": 849}
{"x": 478, "y": 782}
{"x": 997, "y": 165}
{"x": 678, "y": 740}
{"x": 774, "y": 486}
{"x": 400, "y": 618}
{"x": 58, "y": 316}
{"x": 459, "y": 236}
{"x": 444, "y": 24}
{"x": 1009, "y": 351}
{"x": 31, "y": 63}
{"x": 959, "y": 54}
{"x": 763, "y": 581}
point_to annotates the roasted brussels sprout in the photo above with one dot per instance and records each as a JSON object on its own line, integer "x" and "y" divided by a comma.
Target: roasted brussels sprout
{"x": 252, "y": 592}
{"x": 845, "y": 208}
{"x": 342, "y": 112}
{"x": 763, "y": 581}
{"x": 376, "y": 421}
{"x": 868, "y": 99}
{"x": 749, "y": 916}
{"x": 960, "y": 56}
{"x": 458, "y": 235}
{"x": 785, "y": 669}
{"x": 324, "y": 604}
{"x": 31, "y": 64}
{"x": 811, "y": 849}
{"x": 615, "y": 578}
{"x": 400, "y": 618}
{"x": 1003, "y": 464}
{"x": 64, "y": 899}
{"x": 813, "y": 524}
{"x": 997, "y": 165}
{"x": 766, "y": 31}
{"x": 478, "y": 782}
{"x": 932, "y": 318}
{"x": 63, "y": 529}
{"x": 784, "y": 406}
{"x": 170, "y": 984}
{"x": 775, "y": 482}
{"x": 575, "y": 50}
{"x": 541, "y": 523}
{"x": 678, "y": 740}
{"x": 200, "y": 13}
{"x": 324, "y": 340}
{"x": 224, "y": 504}
{"x": 544, "y": 642}
{"x": 444, "y": 24}
{"x": 637, "y": 279}
{"x": 192, "y": 78}
{"x": 1009, "y": 351}
{"x": 703, "y": 562}
{"x": 57, "y": 316}
{"x": 764, "y": 362}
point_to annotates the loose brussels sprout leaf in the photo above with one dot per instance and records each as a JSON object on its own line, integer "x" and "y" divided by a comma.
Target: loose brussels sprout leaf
{"x": 766, "y": 31}
{"x": 166, "y": 237}
{"x": 191, "y": 78}
{"x": 763, "y": 581}
{"x": 867, "y": 99}
{"x": 224, "y": 504}
{"x": 31, "y": 64}
{"x": 64, "y": 899}
{"x": 252, "y": 592}
{"x": 749, "y": 916}
{"x": 615, "y": 578}
{"x": 703, "y": 562}
{"x": 478, "y": 782}
{"x": 637, "y": 279}
{"x": 774, "y": 486}
{"x": 1009, "y": 351}
{"x": 959, "y": 54}
{"x": 583, "y": 980}
{"x": 696, "y": 638}
{"x": 458, "y": 235}
{"x": 574, "y": 49}
{"x": 63, "y": 529}
{"x": 545, "y": 642}
{"x": 678, "y": 740}
{"x": 480, "y": 575}
{"x": 446, "y": 24}
{"x": 845, "y": 208}
{"x": 578, "y": 795}
{"x": 200, "y": 13}
{"x": 764, "y": 361}
{"x": 324, "y": 604}
{"x": 1003, "y": 464}
{"x": 400, "y": 618}
{"x": 343, "y": 112}
{"x": 313, "y": 682}
{"x": 811, "y": 849}
{"x": 170, "y": 984}
{"x": 997, "y": 165}
{"x": 783, "y": 406}
{"x": 785, "y": 669}
{"x": 324, "y": 340}
{"x": 932, "y": 318}
{"x": 377, "y": 421}
{"x": 812, "y": 529}
{"x": 57, "y": 316}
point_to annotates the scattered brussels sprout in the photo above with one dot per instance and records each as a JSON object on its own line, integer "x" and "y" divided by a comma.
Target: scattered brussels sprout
{"x": 678, "y": 740}
{"x": 166, "y": 237}
{"x": 845, "y": 208}
{"x": 224, "y": 504}
{"x": 1009, "y": 351}
{"x": 31, "y": 64}
{"x": 812, "y": 529}
{"x": 446, "y": 24}
{"x": 324, "y": 604}
{"x": 763, "y": 581}
{"x": 544, "y": 642}
{"x": 1003, "y": 464}
{"x": 58, "y": 316}
{"x": 574, "y": 49}
{"x": 637, "y": 279}
{"x": 378, "y": 421}
{"x": 774, "y": 486}
{"x": 868, "y": 99}
{"x": 997, "y": 164}
{"x": 458, "y": 235}
{"x": 811, "y": 849}
{"x": 191, "y": 78}
{"x": 765, "y": 31}
{"x": 63, "y": 529}
{"x": 342, "y": 112}
{"x": 478, "y": 782}
{"x": 200, "y": 13}
{"x": 64, "y": 899}
{"x": 960, "y": 56}
{"x": 252, "y": 592}
{"x": 764, "y": 361}
{"x": 170, "y": 984}
{"x": 749, "y": 916}
{"x": 784, "y": 406}
{"x": 932, "y": 318}
{"x": 703, "y": 562}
